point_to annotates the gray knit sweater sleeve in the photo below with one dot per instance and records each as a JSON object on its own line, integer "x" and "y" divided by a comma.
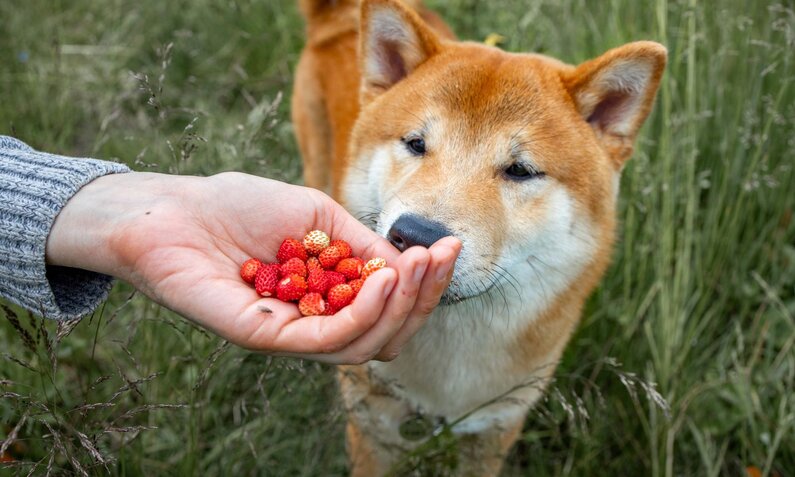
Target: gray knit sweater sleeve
{"x": 34, "y": 187}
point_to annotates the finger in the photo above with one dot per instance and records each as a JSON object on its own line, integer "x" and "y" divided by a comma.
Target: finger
{"x": 411, "y": 268}
{"x": 440, "y": 271}
{"x": 329, "y": 334}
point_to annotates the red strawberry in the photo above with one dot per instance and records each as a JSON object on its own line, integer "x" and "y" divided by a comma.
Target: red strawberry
{"x": 291, "y": 248}
{"x": 267, "y": 279}
{"x": 317, "y": 282}
{"x": 248, "y": 271}
{"x": 372, "y": 265}
{"x": 343, "y": 247}
{"x": 294, "y": 266}
{"x": 334, "y": 278}
{"x": 356, "y": 285}
{"x": 330, "y": 256}
{"x": 315, "y": 241}
{"x": 312, "y": 304}
{"x": 350, "y": 267}
{"x": 340, "y": 296}
{"x": 291, "y": 288}
{"x": 312, "y": 263}
{"x": 330, "y": 310}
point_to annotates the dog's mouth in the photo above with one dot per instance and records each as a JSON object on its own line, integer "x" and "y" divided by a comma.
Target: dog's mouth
{"x": 453, "y": 298}
{"x": 488, "y": 286}
{"x": 454, "y": 294}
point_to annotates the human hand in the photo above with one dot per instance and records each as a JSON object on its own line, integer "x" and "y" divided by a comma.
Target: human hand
{"x": 181, "y": 240}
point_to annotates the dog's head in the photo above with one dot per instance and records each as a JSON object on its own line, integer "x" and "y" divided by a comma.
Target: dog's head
{"x": 517, "y": 155}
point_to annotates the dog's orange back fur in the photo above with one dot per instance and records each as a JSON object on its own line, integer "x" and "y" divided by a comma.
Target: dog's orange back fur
{"x": 522, "y": 164}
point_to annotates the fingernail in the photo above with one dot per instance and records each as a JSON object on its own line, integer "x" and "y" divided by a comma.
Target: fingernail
{"x": 444, "y": 270}
{"x": 419, "y": 271}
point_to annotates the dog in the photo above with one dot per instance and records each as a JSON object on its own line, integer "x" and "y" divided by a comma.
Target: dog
{"x": 517, "y": 155}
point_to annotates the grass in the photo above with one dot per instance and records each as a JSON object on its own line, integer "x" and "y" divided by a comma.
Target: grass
{"x": 700, "y": 299}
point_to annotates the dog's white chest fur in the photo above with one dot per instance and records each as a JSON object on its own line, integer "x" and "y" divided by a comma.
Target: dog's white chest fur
{"x": 457, "y": 366}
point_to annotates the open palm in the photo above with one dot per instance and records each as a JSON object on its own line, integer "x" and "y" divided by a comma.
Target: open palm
{"x": 181, "y": 241}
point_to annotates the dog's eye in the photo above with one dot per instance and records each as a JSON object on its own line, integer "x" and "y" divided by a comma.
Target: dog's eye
{"x": 520, "y": 172}
{"x": 416, "y": 146}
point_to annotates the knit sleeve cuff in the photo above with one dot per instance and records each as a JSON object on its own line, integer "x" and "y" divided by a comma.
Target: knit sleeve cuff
{"x": 34, "y": 187}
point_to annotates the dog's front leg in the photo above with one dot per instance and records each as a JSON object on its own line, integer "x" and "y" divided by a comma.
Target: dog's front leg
{"x": 482, "y": 454}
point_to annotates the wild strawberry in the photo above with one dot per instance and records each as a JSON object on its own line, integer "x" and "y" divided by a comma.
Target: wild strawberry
{"x": 312, "y": 263}
{"x": 356, "y": 285}
{"x": 372, "y": 265}
{"x": 291, "y": 248}
{"x": 343, "y": 247}
{"x": 267, "y": 279}
{"x": 294, "y": 266}
{"x": 248, "y": 271}
{"x": 350, "y": 267}
{"x": 330, "y": 257}
{"x": 317, "y": 282}
{"x": 340, "y": 296}
{"x": 315, "y": 241}
{"x": 291, "y": 288}
{"x": 334, "y": 278}
{"x": 312, "y": 304}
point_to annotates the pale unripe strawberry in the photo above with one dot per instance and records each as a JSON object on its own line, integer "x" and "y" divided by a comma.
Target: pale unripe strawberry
{"x": 315, "y": 241}
{"x": 372, "y": 265}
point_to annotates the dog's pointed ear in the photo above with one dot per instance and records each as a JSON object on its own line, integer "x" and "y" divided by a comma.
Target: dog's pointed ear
{"x": 615, "y": 92}
{"x": 394, "y": 41}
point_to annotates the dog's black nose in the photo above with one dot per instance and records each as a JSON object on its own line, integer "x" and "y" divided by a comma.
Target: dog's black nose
{"x": 409, "y": 230}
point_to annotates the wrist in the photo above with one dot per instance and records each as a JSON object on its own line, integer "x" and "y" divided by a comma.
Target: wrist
{"x": 91, "y": 230}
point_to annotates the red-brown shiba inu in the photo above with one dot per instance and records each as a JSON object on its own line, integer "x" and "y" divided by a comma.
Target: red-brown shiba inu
{"x": 516, "y": 155}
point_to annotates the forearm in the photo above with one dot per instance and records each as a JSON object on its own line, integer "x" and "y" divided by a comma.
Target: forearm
{"x": 34, "y": 188}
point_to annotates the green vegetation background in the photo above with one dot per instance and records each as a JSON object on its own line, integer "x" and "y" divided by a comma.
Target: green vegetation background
{"x": 683, "y": 364}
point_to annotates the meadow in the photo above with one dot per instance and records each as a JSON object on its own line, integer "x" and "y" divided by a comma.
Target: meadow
{"x": 683, "y": 365}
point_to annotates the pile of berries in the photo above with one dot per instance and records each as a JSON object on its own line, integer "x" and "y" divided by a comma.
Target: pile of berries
{"x": 321, "y": 274}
